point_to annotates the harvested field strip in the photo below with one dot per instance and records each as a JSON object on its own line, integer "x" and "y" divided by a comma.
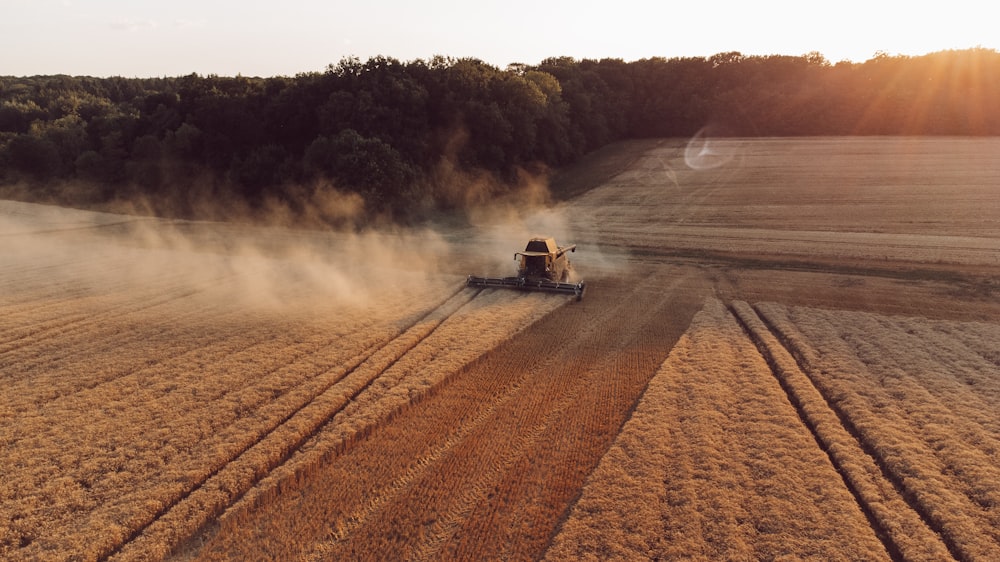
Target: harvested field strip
{"x": 436, "y": 479}
{"x": 473, "y": 477}
{"x": 714, "y": 463}
{"x": 907, "y": 535}
{"x": 416, "y": 461}
{"x": 470, "y": 476}
{"x": 898, "y": 392}
{"x": 267, "y": 447}
{"x": 841, "y": 245}
{"x": 591, "y": 388}
{"x": 469, "y": 483}
{"x": 417, "y": 377}
{"x": 920, "y": 186}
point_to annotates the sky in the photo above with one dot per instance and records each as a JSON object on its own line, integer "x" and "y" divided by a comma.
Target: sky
{"x": 141, "y": 38}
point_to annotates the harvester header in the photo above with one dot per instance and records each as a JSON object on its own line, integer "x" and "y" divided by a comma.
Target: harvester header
{"x": 542, "y": 266}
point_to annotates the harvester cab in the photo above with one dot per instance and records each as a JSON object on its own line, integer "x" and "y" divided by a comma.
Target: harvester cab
{"x": 542, "y": 259}
{"x": 542, "y": 266}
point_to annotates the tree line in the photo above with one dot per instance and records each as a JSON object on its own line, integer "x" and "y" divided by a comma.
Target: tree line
{"x": 390, "y": 131}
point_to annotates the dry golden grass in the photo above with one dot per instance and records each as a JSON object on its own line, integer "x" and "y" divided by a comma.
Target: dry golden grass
{"x": 281, "y": 394}
{"x": 404, "y": 378}
{"x": 131, "y": 385}
{"x": 910, "y": 200}
{"x": 501, "y": 433}
{"x": 715, "y": 464}
{"x": 907, "y": 535}
{"x": 922, "y": 396}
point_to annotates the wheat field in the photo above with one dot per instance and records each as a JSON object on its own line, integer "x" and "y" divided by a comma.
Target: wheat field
{"x": 787, "y": 350}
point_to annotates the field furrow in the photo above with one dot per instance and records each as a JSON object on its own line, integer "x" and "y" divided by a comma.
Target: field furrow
{"x": 171, "y": 402}
{"x": 267, "y": 446}
{"x": 787, "y": 350}
{"x": 466, "y": 451}
{"x": 922, "y": 428}
{"x": 899, "y": 523}
{"x": 589, "y": 400}
{"x": 716, "y": 464}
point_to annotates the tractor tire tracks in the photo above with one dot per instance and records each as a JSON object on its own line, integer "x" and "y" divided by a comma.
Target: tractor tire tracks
{"x": 468, "y": 467}
{"x": 903, "y": 525}
{"x": 209, "y": 496}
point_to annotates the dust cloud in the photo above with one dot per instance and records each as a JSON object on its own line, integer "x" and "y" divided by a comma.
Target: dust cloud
{"x": 53, "y": 250}
{"x": 491, "y": 219}
{"x": 290, "y": 254}
{"x": 502, "y": 224}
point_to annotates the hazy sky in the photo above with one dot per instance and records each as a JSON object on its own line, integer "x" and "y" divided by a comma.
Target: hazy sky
{"x": 255, "y": 38}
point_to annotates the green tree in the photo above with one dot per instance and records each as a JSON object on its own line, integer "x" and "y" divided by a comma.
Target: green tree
{"x": 68, "y": 134}
{"x": 16, "y": 115}
{"x": 36, "y": 157}
{"x": 366, "y": 165}
{"x": 261, "y": 170}
{"x": 144, "y": 167}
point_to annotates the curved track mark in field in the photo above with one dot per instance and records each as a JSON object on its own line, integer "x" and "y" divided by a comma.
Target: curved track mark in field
{"x": 293, "y": 424}
{"x": 903, "y": 525}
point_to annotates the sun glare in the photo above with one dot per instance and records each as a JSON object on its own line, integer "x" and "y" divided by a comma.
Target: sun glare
{"x": 943, "y": 79}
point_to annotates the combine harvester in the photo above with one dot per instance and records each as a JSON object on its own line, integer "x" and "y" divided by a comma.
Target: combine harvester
{"x": 542, "y": 266}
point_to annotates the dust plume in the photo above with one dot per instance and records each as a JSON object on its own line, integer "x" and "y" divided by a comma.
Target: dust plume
{"x": 501, "y": 225}
{"x": 316, "y": 243}
{"x": 246, "y": 265}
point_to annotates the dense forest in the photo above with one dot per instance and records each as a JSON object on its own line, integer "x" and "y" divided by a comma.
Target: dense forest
{"x": 407, "y": 138}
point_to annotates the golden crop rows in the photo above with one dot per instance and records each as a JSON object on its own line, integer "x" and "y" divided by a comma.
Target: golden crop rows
{"x": 904, "y": 407}
{"x": 222, "y": 391}
{"x": 715, "y": 464}
{"x": 141, "y": 389}
{"x": 922, "y": 397}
